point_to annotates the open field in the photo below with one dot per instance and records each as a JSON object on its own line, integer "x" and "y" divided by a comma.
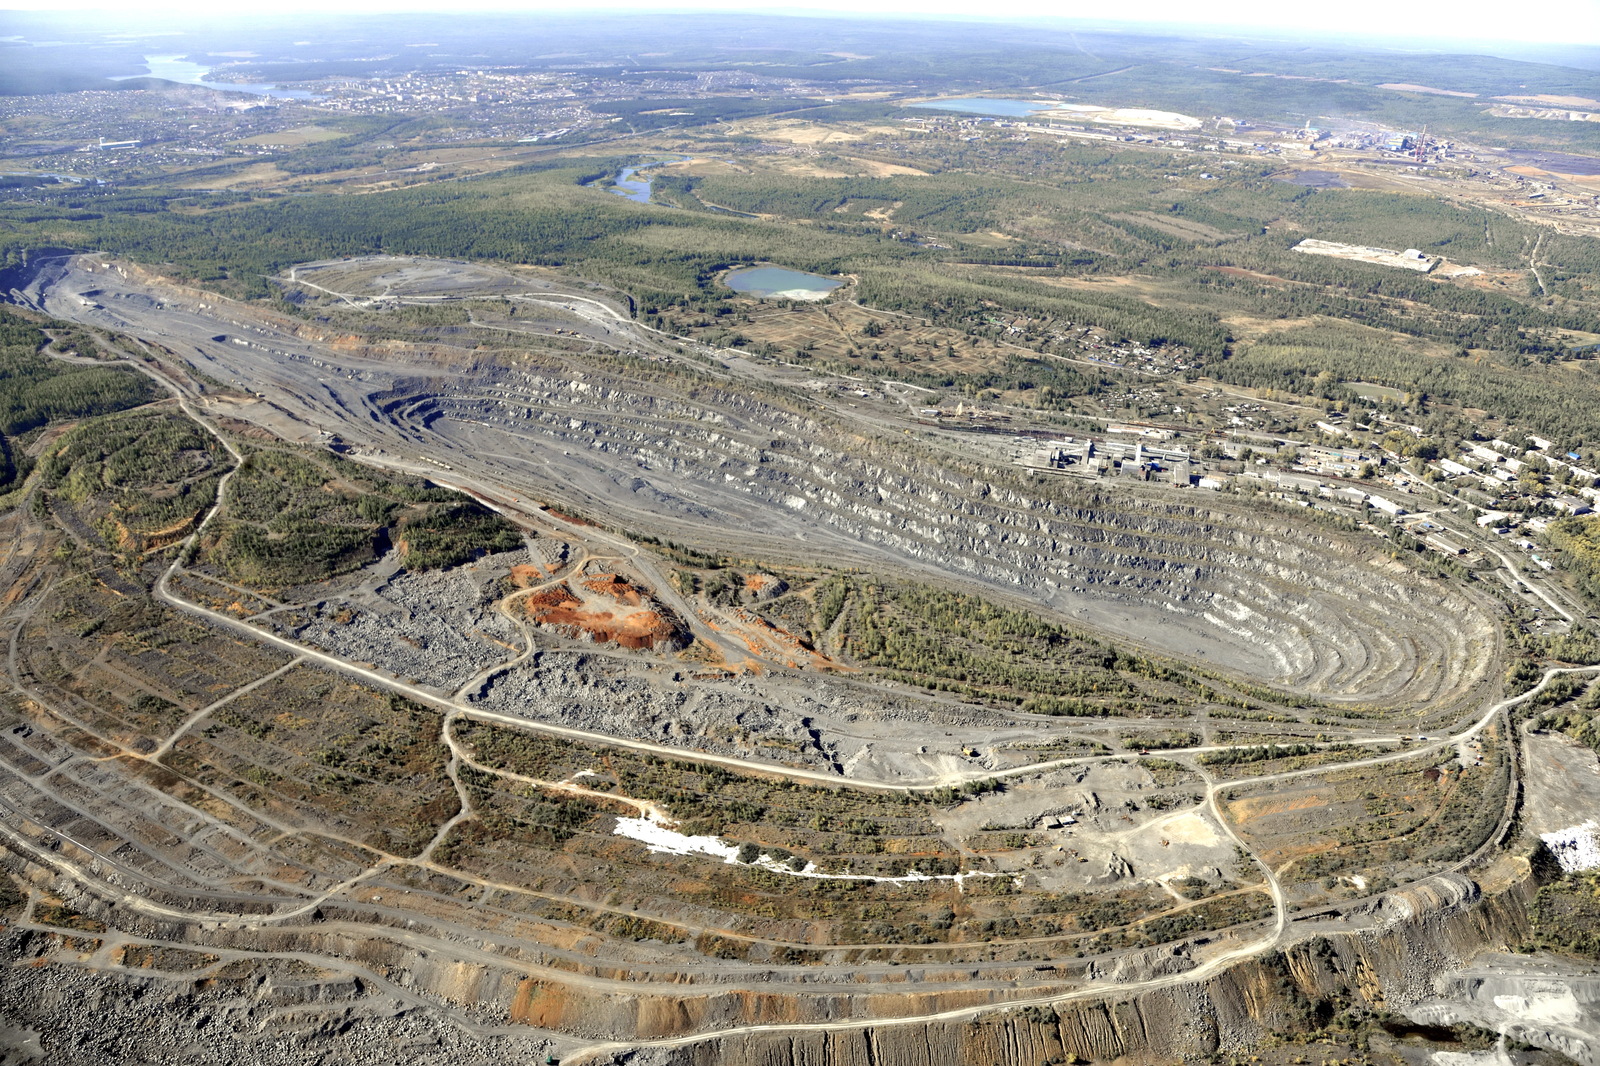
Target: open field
{"x": 293, "y": 138}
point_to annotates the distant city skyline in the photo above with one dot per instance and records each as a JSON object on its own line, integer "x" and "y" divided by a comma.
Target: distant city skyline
{"x": 1556, "y": 22}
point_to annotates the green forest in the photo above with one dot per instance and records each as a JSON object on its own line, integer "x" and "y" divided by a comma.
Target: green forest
{"x": 36, "y": 390}
{"x": 964, "y": 229}
{"x": 295, "y": 518}
{"x": 134, "y": 476}
{"x": 955, "y": 642}
{"x": 1578, "y": 541}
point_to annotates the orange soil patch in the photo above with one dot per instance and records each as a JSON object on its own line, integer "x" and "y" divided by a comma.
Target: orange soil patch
{"x": 766, "y": 629}
{"x": 661, "y": 1017}
{"x": 1261, "y": 806}
{"x": 760, "y": 583}
{"x": 769, "y": 641}
{"x": 615, "y": 586}
{"x": 525, "y": 576}
{"x": 561, "y": 609}
{"x": 546, "y": 1006}
{"x": 156, "y": 538}
{"x": 160, "y": 538}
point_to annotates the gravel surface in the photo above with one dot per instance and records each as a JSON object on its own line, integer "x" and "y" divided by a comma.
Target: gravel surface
{"x": 439, "y": 628}
{"x": 66, "y": 1016}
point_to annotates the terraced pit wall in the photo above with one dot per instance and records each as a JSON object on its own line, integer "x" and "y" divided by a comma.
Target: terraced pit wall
{"x": 1313, "y": 608}
{"x": 1420, "y": 933}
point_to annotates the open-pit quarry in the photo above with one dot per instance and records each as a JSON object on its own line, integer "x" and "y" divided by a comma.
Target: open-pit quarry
{"x": 971, "y": 765}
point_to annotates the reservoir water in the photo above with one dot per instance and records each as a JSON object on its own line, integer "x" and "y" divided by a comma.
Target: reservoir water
{"x": 634, "y": 184}
{"x": 980, "y": 105}
{"x": 178, "y": 69}
{"x": 630, "y": 186}
{"x": 778, "y": 282}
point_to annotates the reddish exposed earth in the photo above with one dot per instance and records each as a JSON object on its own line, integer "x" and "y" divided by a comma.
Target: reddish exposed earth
{"x": 602, "y": 615}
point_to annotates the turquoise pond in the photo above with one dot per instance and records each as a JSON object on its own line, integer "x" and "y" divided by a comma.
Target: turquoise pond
{"x": 777, "y": 281}
{"x": 978, "y": 105}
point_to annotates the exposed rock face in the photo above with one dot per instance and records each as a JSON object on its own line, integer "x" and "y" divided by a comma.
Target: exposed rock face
{"x": 1129, "y": 1027}
{"x": 1554, "y": 1007}
{"x": 386, "y": 1002}
{"x": 1313, "y": 608}
{"x": 1392, "y": 967}
{"x": 437, "y": 627}
{"x": 73, "y": 1017}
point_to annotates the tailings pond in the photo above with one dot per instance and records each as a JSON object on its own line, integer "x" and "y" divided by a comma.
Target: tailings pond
{"x": 771, "y": 282}
{"x": 983, "y": 105}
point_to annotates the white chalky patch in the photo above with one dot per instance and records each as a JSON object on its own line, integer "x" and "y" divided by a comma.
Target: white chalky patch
{"x": 663, "y": 841}
{"x": 1575, "y": 848}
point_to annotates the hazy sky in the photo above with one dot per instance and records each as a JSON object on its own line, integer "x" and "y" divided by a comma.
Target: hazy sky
{"x": 1569, "y": 22}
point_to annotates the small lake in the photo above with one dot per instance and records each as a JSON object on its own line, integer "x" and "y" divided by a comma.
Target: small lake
{"x": 178, "y": 69}
{"x": 630, "y": 186}
{"x": 634, "y": 184}
{"x": 769, "y": 282}
{"x": 980, "y": 105}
